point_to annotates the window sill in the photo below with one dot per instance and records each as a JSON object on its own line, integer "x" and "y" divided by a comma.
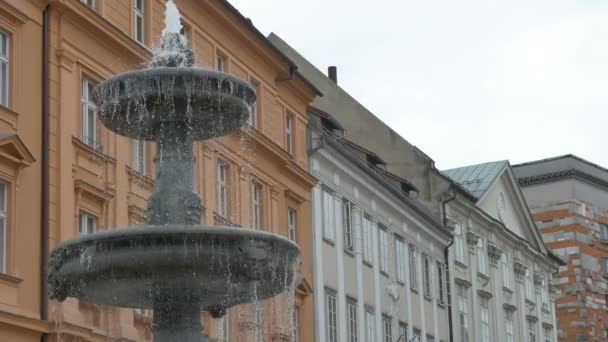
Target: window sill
{"x": 460, "y": 264}
{"x": 8, "y": 115}
{"x": 428, "y": 298}
{"x": 329, "y": 241}
{"x": 400, "y": 283}
{"x": 385, "y": 273}
{"x": 507, "y": 290}
{"x": 441, "y": 305}
{"x": 349, "y": 253}
{"x": 368, "y": 264}
{"x": 415, "y": 290}
{"x": 10, "y": 280}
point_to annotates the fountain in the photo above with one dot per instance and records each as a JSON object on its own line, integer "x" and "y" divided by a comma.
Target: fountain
{"x": 173, "y": 265}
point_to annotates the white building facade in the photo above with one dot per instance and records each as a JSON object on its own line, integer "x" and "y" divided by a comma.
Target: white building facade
{"x": 378, "y": 254}
{"x": 500, "y": 270}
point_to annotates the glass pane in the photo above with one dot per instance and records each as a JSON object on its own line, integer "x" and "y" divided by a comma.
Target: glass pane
{"x": 2, "y": 245}
{"x": 90, "y": 88}
{"x": 3, "y": 45}
{"x": 90, "y": 225}
{"x": 140, "y": 29}
{"x": 4, "y": 84}
{"x": 139, "y": 4}
{"x": 90, "y": 129}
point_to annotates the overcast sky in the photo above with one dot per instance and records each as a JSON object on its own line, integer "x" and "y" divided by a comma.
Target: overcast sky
{"x": 466, "y": 81}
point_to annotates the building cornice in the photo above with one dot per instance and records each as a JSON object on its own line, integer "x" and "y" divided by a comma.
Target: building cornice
{"x": 557, "y": 176}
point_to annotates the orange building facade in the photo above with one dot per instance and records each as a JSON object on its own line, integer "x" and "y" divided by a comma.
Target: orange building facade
{"x": 98, "y": 180}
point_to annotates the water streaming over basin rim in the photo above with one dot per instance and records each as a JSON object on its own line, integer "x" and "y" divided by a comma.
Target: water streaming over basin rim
{"x": 144, "y": 267}
{"x": 206, "y": 103}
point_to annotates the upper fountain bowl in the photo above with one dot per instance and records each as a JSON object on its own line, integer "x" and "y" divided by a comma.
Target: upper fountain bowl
{"x": 208, "y": 104}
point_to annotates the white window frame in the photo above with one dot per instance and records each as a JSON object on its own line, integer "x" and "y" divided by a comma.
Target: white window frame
{"x": 370, "y": 324}
{"x": 252, "y": 120}
{"x": 387, "y": 329}
{"x": 368, "y": 232}
{"x": 329, "y": 222}
{"x": 603, "y": 232}
{"x": 548, "y": 334}
{"x": 138, "y": 13}
{"x": 4, "y": 188}
{"x": 441, "y": 281}
{"x": 292, "y": 224}
{"x": 347, "y": 222}
{"x": 5, "y": 68}
{"x": 509, "y": 327}
{"x": 426, "y": 276}
{"x": 383, "y": 248}
{"x": 331, "y": 316}
{"x": 482, "y": 260}
{"x": 532, "y": 334}
{"x": 289, "y": 142}
{"x": 256, "y": 206}
{"x": 459, "y": 242}
{"x": 485, "y": 318}
{"x": 221, "y": 63}
{"x": 413, "y": 269}
{"x": 223, "y": 175}
{"x": 544, "y": 295}
{"x": 506, "y": 274}
{"x": 402, "y": 332}
{"x": 353, "y": 320}
{"x": 84, "y": 227}
{"x": 529, "y": 285}
{"x": 87, "y": 104}
{"x": 463, "y": 311}
{"x": 139, "y": 156}
{"x": 400, "y": 260}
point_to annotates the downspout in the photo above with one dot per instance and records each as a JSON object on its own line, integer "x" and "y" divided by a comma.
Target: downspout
{"x": 447, "y": 263}
{"x": 44, "y": 198}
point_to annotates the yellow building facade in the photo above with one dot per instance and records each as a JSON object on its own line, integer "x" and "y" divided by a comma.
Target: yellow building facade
{"x": 95, "y": 180}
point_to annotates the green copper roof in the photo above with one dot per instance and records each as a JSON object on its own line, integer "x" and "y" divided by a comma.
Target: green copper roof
{"x": 477, "y": 179}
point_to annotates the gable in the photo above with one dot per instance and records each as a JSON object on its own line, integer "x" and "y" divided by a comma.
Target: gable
{"x": 504, "y": 201}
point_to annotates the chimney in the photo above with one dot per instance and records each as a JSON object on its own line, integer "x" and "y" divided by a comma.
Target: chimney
{"x": 332, "y": 72}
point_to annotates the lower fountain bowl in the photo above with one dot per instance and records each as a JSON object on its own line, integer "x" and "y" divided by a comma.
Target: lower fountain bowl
{"x": 155, "y": 266}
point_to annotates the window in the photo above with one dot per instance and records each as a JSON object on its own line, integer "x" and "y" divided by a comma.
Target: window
{"x": 139, "y": 156}
{"x": 544, "y": 294}
{"x": 605, "y": 265}
{"x": 506, "y": 275}
{"x": 329, "y": 229}
{"x": 289, "y": 134}
{"x": 413, "y": 269}
{"x": 402, "y": 332}
{"x": 430, "y": 338}
{"x": 529, "y": 285}
{"x": 383, "y": 249}
{"x": 347, "y": 221}
{"x": 253, "y": 112}
{"x": 89, "y": 3}
{"x": 4, "y": 68}
{"x": 370, "y": 325}
{"x": 463, "y": 310}
{"x": 531, "y": 331}
{"x": 3, "y": 225}
{"x": 400, "y": 260}
{"x": 440, "y": 283}
{"x": 258, "y": 309}
{"x": 459, "y": 242}
{"x": 509, "y": 337}
{"x": 485, "y": 319}
{"x": 426, "y": 275}
{"x": 387, "y": 329}
{"x": 222, "y": 188}
{"x": 138, "y": 20}
{"x": 256, "y": 206}
{"x": 482, "y": 261}
{"x": 353, "y": 328}
{"x": 417, "y": 333}
{"x": 88, "y": 224}
{"x": 368, "y": 234}
{"x": 604, "y": 232}
{"x": 331, "y": 316}
{"x": 548, "y": 335}
{"x": 89, "y": 114}
{"x": 291, "y": 224}
{"x": 221, "y": 63}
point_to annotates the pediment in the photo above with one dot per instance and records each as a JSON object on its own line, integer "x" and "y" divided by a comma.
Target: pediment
{"x": 14, "y": 149}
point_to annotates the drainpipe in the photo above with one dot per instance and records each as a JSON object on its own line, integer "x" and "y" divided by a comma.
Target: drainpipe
{"x": 44, "y": 199}
{"x": 447, "y": 262}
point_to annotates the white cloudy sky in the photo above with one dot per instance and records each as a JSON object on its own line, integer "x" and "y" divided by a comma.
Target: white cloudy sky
{"x": 466, "y": 81}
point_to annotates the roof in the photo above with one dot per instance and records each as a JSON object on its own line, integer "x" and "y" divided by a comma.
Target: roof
{"x": 477, "y": 179}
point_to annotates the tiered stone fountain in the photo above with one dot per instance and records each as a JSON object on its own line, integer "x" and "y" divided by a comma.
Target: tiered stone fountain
{"x": 173, "y": 265}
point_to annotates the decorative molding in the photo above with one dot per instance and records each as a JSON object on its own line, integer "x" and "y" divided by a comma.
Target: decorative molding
{"x": 136, "y": 214}
{"x": 494, "y": 254}
{"x": 102, "y": 194}
{"x": 10, "y": 280}
{"x": 472, "y": 240}
{"x": 485, "y": 294}
{"x": 520, "y": 270}
{"x": 462, "y": 282}
{"x": 538, "y": 279}
{"x": 530, "y": 305}
{"x": 509, "y": 307}
{"x": 531, "y": 318}
{"x": 294, "y": 196}
{"x": 141, "y": 180}
{"x": 563, "y": 175}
